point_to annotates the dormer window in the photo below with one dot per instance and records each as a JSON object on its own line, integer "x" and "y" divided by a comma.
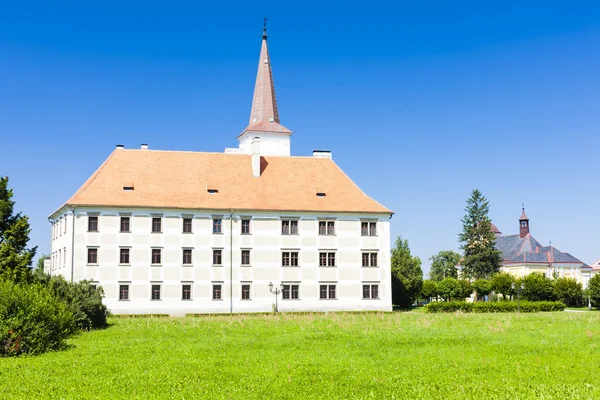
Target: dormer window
{"x": 321, "y": 194}
{"x": 127, "y": 186}
{"x": 212, "y": 191}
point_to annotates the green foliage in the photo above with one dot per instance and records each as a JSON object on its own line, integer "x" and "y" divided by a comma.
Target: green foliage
{"x": 481, "y": 258}
{"x": 84, "y": 300}
{"x": 569, "y": 291}
{"x": 494, "y": 307}
{"x": 537, "y": 287}
{"x": 32, "y": 319}
{"x": 482, "y": 287}
{"x": 429, "y": 289}
{"x": 15, "y": 257}
{"x": 502, "y": 283}
{"x": 593, "y": 290}
{"x": 449, "y": 289}
{"x": 407, "y": 275}
{"x": 443, "y": 265}
{"x": 38, "y": 273}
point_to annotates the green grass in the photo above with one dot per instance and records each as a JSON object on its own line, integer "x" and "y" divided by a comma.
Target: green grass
{"x": 394, "y": 355}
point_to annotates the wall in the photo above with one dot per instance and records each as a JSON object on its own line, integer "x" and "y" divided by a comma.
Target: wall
{"x": 270, "y": 144}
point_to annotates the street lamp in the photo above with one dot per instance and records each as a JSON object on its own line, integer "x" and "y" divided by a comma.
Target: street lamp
{"x": 519, "y": 290}
{"x": 276, "y": 292}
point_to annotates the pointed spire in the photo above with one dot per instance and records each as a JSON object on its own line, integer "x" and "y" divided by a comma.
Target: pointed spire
{"x": 523, "y": 224}
{"x": 523, "y": 215}
{"x": 264, "y": 116}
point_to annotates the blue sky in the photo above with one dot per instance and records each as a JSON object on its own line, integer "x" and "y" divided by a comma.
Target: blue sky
{"x": 419, "y": 103}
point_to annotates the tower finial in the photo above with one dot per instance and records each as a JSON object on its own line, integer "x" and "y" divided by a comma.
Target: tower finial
{"x": 265, "y": 19}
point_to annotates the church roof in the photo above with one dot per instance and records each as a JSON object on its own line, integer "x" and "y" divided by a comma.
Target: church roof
{"x": 494, "y": 228}
{"x": 528, "y": 249}
{"x": 172, "y": 179}
{"x": 264, "y": 116}
{"x": 596, "y": 265}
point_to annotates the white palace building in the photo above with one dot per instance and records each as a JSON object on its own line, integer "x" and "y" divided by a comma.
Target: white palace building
{"x": 182, "y": 232}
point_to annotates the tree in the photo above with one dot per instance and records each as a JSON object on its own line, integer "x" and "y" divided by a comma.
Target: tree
{"x": 443, "y": 265}
{"x": 569, "y": 291}
{"x": 593, "y": 290}
{"x": 407, "y": 275}
{"x": 15, "y": 257}
{"x": 537, "y": 287}
{"x": 429, "y": 289}
{"x": 464, "y": 289}
{"x": 502, "y": 283}
{"x": 38, "y": 273}
{"x": 449, "y": 288}
{"x": 481, "y": 258}
{"x": 482, "y": 287}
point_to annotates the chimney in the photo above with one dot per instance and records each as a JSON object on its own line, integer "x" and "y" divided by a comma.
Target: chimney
{"x": 322, "y": 154}
{"x": 144, "y": 146}
{"x": 255, "y": 146}
{"x": 120, "y": 146}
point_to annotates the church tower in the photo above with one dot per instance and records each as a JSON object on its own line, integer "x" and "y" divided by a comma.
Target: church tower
{"x": 523, "y": 224}
{"x": 264, "y": 134}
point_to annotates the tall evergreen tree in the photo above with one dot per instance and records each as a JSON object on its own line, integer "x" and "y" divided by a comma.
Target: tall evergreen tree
{"x": 407, "y": 275}
{"x": 15, "y": 257}
{"x": 481, "y": 258}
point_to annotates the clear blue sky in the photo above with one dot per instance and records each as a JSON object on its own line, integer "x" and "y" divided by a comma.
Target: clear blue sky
{"x": 419, "y": 102}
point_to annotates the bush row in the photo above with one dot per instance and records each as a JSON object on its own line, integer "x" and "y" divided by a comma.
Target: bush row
{"x": 494, "y": 307}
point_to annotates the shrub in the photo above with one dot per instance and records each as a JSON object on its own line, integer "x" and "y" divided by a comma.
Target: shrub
{"x": 429, "y": 289}
{"x": 448, "y": 289}
{"x": 593, "y": 290}
{"x": 502, "y": 284}
{"x": 538, "y": 287}
{"x": 482, "y": 287}
{"x": 84, "y": 300}
{"x": 495, "y": 307}
{"x": 569, "y": 291}
{"x": 32, "y": 319}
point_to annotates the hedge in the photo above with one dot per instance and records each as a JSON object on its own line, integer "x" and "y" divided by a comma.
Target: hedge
{"x": 32, "y": 319}
{"x": 494, "y": 307}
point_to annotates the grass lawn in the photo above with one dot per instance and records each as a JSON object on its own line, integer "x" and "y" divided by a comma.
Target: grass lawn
{"x": 403, "y": 355}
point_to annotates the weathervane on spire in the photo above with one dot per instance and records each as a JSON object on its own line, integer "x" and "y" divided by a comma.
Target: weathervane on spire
{"x": 265, "y": 19}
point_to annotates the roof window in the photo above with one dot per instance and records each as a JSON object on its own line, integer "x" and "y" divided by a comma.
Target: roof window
{"x": 321, "y": 194}
{"x": 212, "y": 191}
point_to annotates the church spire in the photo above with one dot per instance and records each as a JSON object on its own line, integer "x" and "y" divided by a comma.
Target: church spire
{"x": 264, "y": 116}
{"x": 523, "y": 224}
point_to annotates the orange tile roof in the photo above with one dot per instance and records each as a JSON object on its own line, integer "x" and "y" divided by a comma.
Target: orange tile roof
{"x": 174, "y": 179}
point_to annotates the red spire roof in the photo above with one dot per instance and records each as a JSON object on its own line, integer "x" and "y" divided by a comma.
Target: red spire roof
{"x": 523, "y": 215}
{"x": 264, "y": 116}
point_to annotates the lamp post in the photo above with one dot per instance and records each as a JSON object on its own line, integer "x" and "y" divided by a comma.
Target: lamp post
{"x": 519, "y": 290}
{"x": 589, "y": 302}
{"x": 276, "y": 293}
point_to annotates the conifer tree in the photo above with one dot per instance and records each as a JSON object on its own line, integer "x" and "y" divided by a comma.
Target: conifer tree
{"x": 481, "y": 259}
{"x": 407, "y": 275}
{"x": 15, "y": 257}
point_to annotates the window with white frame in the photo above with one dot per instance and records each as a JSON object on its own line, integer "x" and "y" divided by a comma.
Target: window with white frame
{"x": 327, "y": 291}
{"x": 289, "y": 258}
{"x": 289, "y": 227}
{"x": 187, "y": 225}
{"x": 217, "y": 292}
{"x": 368, "y": 228}
{"x": 187, "y": 256}
{"x": 217, "y": 257}
{"x": 124, "y": 256}
{"x": 156, "y": 225}
{"x": 92, "y": 255}
{"x": 371, "y": 291}
{"x": 327, "y": 228}
{"x": 327, "y": 259}
{"x": 245, "y": 227}
{"x": 92, "y": 223}
{"x": 155, "y": 291}
{"x": 245, "y": 257}
{"x": 245, "y": 291}
{"x": 125, "y": 224}
{"x": 186, "y": 291}
{"x": 64, "y": 257}
{"x": 369, "y": 259}
{"x": 291, "y": 291}
{"x": 156, "y": 256}
{"x": 217, "y": 224}
{"x": 124, "y": 291}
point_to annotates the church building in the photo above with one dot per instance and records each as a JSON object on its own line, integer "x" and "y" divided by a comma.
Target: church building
{"x": 522, "y": 254}
{"x": 183, "y": 232}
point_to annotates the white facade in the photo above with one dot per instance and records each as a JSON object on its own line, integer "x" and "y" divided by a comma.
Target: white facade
{"x": 265, "y": 243}
{"x": 271, "y": 144}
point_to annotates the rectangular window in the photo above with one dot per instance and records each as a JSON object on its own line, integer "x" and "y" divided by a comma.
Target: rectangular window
{"x": 156, "y": 256}
{"x": 368, "y": 228}
{"x": 92, "y": 224}
{"x": 217, "y": 222}
{"x": 245, "y": 227}
{"x": 155, "y": 292}
{"x": 289, "y": 258}
{"x": 327, "y": 292}
{"x": 59, "y": 257}
{"x": 65, "y": 257}
{"x": 327, "y": 228}
{"x": 217, "y": 257}
{"x": 156, "y": 225}
{"x": 186, "y": 291}
{"x": 245, "y": 257}
{"x": 187, "y": 256}
{"x": 125, "y": 224}
{"x": 289, "y": 227}
{"x": 290, "y": 292}
{"x": 326, "y": 259}
{"x": 65, "y": 225}
{"x": 187, "y": 225}
{"x": 370, "y": 291}
{"x": 123, "y": 292}
{"x": 369, "y": 259}
{"x": 245, "y": 292}
{"x": 124, "y": 256}
{"x": 216, "y": 292}
{"x": 92, "y": 256}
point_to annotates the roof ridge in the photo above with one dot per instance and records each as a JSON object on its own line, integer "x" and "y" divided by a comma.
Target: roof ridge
{"x": 225, "y": 154}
